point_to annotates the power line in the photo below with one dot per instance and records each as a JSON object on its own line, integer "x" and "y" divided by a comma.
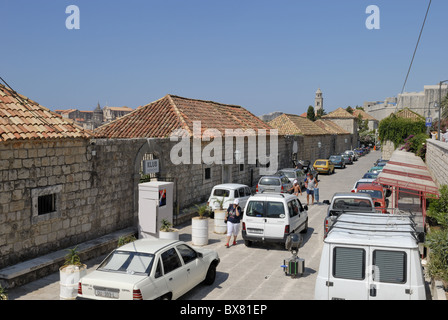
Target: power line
{"x": 418, "y": 41}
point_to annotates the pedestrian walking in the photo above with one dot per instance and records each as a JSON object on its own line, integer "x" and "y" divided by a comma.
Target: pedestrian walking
{"x": 233, "y": 217}
{"x": 296, "y": 188}
{"x": 311, "y": 183}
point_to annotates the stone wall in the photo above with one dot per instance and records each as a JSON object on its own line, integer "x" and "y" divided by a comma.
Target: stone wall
{"x": 92, "y": 194}
{"x": 93, "y": 186}
{"x": 437, "y": 160}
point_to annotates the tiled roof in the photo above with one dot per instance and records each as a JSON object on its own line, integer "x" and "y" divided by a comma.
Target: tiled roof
{"x": 330, "y": 127}
{"x": 291, "y": 124}
{"x": 408, "y": 114}
{"x": 339, "y": 113}
{"x": 161, "y": 118}
{"x": 23, "y": 119}
{"x": 364, "y": 115}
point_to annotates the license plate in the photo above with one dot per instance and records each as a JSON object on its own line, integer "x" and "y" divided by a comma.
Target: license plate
{"x": 107, "y": 293}
{"x": 257, "y": 231}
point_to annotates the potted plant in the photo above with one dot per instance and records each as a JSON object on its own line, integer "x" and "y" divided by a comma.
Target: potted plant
{"x": 220, "y": 216}
{"x": 167, "y": 231}
{"x": 199, "y": 226}
{"x": 3, "y": 294}
{"x": 70, "y": 274}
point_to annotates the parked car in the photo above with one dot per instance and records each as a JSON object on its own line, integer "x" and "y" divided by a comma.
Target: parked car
{"x": 348, "y": 159}
{"x": 380, "y": 162}
{"x": 337, "y": 161}
{"x": 274, "y": 183}
{"x": 323, "y": 165}
{"x": 360, "y": 182}
{"x": 272, "y": 217}
{"x": 149, "y": 269}
{"x": 371, "y": 257}
{"x": 345, "y": 202}
{"x": 376, "y": 169}
{"x": 294, "y": 174}
{"x": 306, "y": 166}
{"x": 370, "y": 175}
{"x": 378, "y": 193}
{"x": 227, "y": 193}
{"x": 352, "y": 153}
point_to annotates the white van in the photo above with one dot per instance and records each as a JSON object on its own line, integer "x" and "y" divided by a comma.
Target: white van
{"x": 271, "y": 217}
{"x": 367, "y": 256}
{"x": 228, "y": 192}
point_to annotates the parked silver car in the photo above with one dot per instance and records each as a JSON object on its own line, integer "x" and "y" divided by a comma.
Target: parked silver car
{"x": 274, "y": 183}
{"x": 294, "y": 174}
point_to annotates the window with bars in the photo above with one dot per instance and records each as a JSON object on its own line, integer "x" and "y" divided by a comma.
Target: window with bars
{"x": 46, "y": 204}
{"x": 349, "y": 263}
{"x": 390, "y": 266}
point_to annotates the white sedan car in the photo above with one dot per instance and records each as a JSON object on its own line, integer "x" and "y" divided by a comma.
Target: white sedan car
{"x": 150, "y": 269}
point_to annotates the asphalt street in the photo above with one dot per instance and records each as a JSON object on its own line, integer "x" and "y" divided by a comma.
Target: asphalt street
{"x": 247, "y": 273}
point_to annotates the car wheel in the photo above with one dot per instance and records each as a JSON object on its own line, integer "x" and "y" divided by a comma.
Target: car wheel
{"x": 248, "y": 243}
{"x": 211, "y": 274}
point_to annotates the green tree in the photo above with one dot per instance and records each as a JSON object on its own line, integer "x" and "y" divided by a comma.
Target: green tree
{"x": 349, "y": 109}
{"x": 310, "y": 113}
{"x": 319, "y": 113}
{"x": 396, "y": 129}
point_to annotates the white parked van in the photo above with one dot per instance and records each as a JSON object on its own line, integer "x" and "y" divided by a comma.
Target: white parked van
{"x": 367, "y": 256}
{"x": 228, "y": 192}
{"x": 271, "y": 217}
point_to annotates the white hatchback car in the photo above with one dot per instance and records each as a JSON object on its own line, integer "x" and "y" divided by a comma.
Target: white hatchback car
{"x": 271, "y": 217}
{"x": 149, "y": 269}
{"x": 228, "y": 192}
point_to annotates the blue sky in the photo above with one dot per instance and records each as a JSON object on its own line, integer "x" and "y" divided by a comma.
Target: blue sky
{"x": 263, "y": 55}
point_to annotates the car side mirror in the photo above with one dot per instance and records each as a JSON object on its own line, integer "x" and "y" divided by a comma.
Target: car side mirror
{"x": 377, "y": 204}
{"x": 388, "y": 192}
{"x": 200, "y": 255}
{"x": 326, "y": 202}
{"x": 305, "y": 207}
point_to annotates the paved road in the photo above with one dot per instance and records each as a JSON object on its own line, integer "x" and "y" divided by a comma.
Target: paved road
{"x": 247, "y": 273}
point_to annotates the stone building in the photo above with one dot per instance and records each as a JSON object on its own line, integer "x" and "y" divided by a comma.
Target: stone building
{"x": 346, "y": 121}
{"x": 423, "y": 102}
{"x": 318, "y": 101}
{"x": 201, "y": 126}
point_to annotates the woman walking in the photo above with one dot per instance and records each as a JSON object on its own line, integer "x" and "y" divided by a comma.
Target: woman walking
{"x": 233, "y": 217}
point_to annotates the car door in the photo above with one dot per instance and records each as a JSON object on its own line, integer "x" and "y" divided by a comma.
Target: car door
{"x": 348, "y": 277}
{"x": 175, "y": 273}
{"x": 243, "y": 197}
{"x": 275, "y": 220}
{"x": 196, "y": 269}
{"x": 388, "y": 277}
{"x": 296, "y": 217}
{"x": 254, "y": 218}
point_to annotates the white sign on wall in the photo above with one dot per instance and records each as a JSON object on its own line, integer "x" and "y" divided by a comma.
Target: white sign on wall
{"x": 150, "y": 166}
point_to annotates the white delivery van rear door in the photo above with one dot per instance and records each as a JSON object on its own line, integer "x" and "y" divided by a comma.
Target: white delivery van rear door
{"x": 348, "y": 277}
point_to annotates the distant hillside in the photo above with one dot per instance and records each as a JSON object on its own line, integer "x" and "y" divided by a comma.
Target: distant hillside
{"x": 270, "y": 116}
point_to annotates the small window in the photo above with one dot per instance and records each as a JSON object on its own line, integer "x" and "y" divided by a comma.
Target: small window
{"x": 236, "y": 194}
{"x": 349, "y": 263}
{"x": 241, "y": 166}
{"x": 275, "y": 209}
{"x": 242, "y": 192}
{"x": 46, "y": 204}
{"x": 187, "y": 253}
{"x": 207, "y": 173}
{"x": 390, "y": 266}
{"x": 295, "y": 208}
{"x": 170, "y": 260}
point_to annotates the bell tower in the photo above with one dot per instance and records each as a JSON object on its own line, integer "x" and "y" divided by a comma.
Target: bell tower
{"x": 318, "y": 101}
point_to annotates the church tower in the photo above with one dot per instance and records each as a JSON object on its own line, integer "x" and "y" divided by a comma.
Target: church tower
{"x": 318, "y": 101}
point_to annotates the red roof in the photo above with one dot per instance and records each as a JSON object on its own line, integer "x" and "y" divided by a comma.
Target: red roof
{"x": 159, "y": 119}
{"x": 23, "y": 119}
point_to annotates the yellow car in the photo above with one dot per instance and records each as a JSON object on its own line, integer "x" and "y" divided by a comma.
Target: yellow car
{"x": 324, "y": 165}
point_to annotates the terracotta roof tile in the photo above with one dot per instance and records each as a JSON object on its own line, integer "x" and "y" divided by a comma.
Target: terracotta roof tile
{"x": 339, "y": 113}
{"x": 290, "y": 124}
{"x": 330, "y": 127}
{"x": 159, "y": 119}
{"x": 364, "y": 115}
{"x": 23, "y": 119}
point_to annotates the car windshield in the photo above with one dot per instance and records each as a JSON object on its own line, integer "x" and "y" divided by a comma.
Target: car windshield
{"x": 350, "y": 204}
{"x": 321, "y": 163}
{"x": 270, "y": 181}
{"x": 374, "y": 193}
{"x": 128, "y": 262}
{"x": 221, "y": 193}
{"x": 333, "y": 158}
{"x": 370, "y": 175}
